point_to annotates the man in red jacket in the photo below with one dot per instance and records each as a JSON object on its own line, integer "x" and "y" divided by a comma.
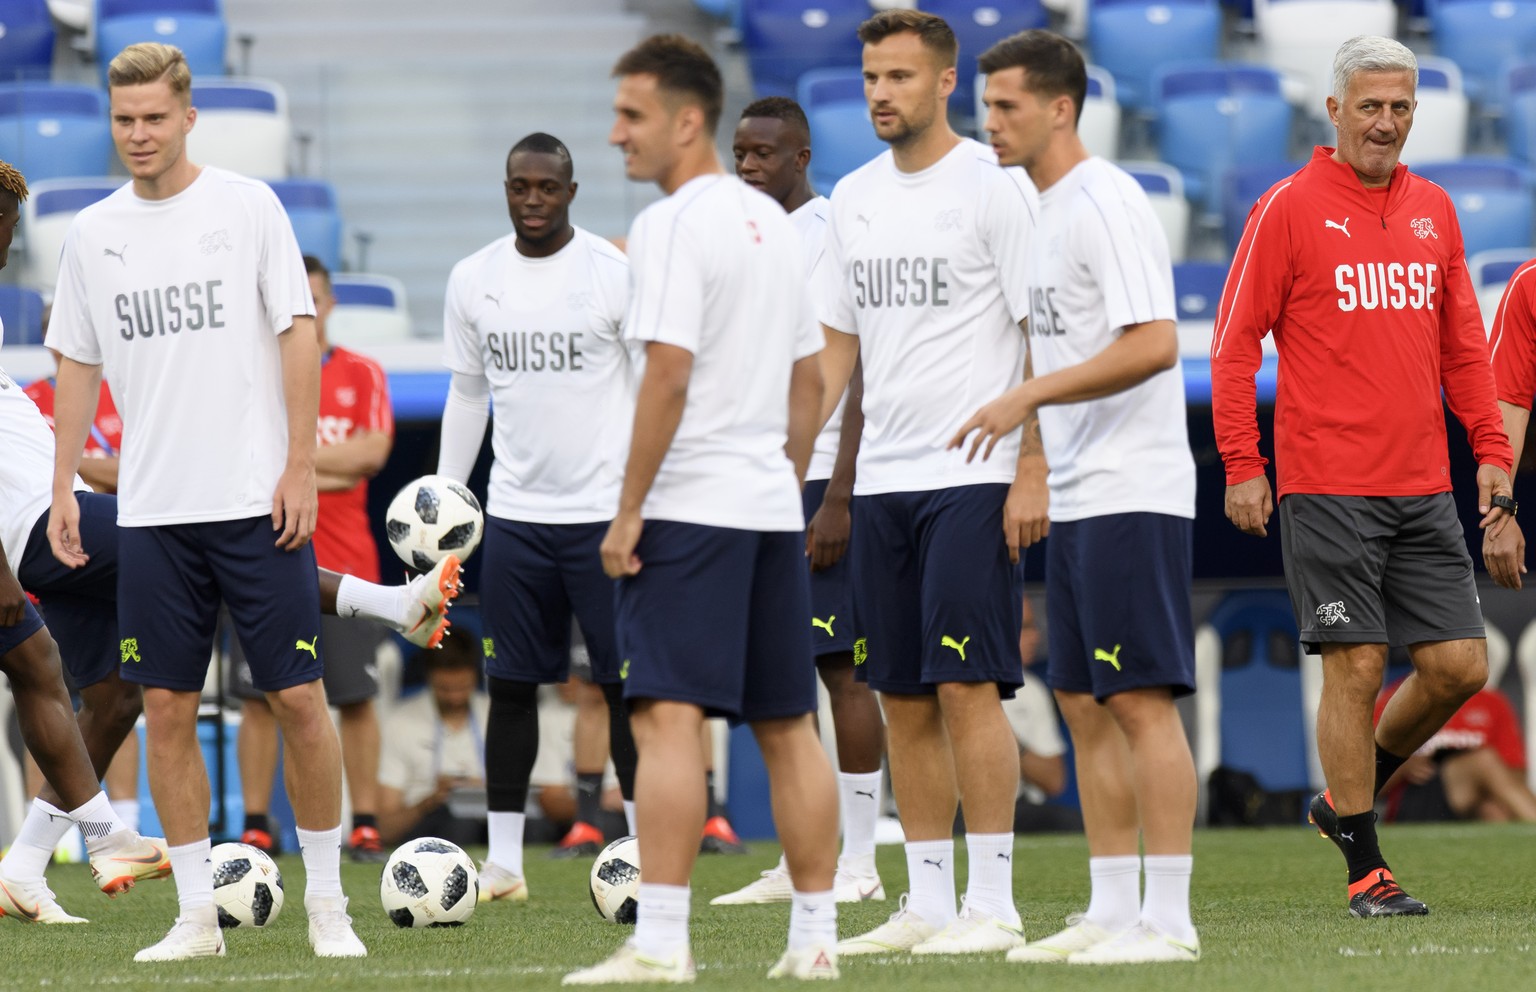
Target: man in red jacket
{"x": 1356, "y": 266}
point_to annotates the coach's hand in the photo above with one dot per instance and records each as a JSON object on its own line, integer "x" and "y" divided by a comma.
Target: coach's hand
{"x": 64, "y": 530}
{"x": 1250, "y": 504}
{"x": 1491, "y": 481}
{"x": 826, "y": 537}
{"x": 1504, "y": 552}
{"x": 295, "y": 507}
{"x": 13, "y": 601}
{"x": 619, "y": 558}
{"x": 1026, "y": 513}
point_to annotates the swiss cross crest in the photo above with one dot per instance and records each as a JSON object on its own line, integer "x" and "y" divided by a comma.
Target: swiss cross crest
{"x": 346, "y": 396}
{"x": 1424, "y": 228}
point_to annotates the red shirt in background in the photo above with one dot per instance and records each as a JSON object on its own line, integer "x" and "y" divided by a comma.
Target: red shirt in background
{"x": 106, "y": 437}
{"x": 354, "y": 399}
{"x": 1513, "y": 338}
{"x": 1485, "y": 720}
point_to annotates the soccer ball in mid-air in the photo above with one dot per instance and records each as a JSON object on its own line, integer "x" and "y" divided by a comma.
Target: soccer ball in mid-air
{"x": 247, "y": 887}
{"x": 429, "y": 882}
{"x": 616, "y": 881}
{"x": 432, "y": 518}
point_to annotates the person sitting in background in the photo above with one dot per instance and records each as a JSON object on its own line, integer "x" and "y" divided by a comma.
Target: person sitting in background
{"x": 1037, "y": 728}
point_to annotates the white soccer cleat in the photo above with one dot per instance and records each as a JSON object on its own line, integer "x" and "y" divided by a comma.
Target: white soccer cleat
{"x": 1141, "y": 944}
{"x": 188, "y": 939}
{"x": 125, "y": 857}
{"x": 32, "y": 902}
{"x": 902, "y": 932}
{"x": 498, "y": 883}
{"x": 1080, "y": 934}
{"x": 330, "y": 930}
{"x": 859, "y": 883}
{"x": 628, "y": 966}
{"x": 974, "y": 933}
{"x": 427, "y": 599}
{"x": 773, "y": 886}
{"x": 815, "y": 963}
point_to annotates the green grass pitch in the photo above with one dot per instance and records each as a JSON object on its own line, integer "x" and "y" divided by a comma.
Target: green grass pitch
{"x": 1269, "y": 905}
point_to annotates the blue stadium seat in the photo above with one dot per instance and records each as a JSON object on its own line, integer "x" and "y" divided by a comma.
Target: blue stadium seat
{"x": 1213, "y": 117}
{"x": 49, "y": 130}
{"x": 26, "y": 40}
{"x": 1485, "y": 38}
{"x": 842, "y": 136}
{"x": 243, "y": 125}
{"x": 1520, "y": 115}
{"x": 21, "y": 310}
{"x": 316, "y": 220}
{"x": 1493, "y": 197}
{"x": 195, "y": 26}
{"x": 1241, "y": 190}
{"x": 370, "y": 310}
{"x": 978, "y": 25}
{"x": 785, "y": 39}
{"x": 1197, "y": 288}
{"x": 46, "y": 217}
{"x": 1164, "y": 187}
{"x": 1263, "y": 731}
{"x": 1490, "y": 272}
{"x": 1135, "y": 38}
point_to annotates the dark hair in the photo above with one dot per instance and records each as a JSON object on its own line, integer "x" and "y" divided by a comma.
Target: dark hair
{"x": 681, "y": 67}
{"x": 1052, "y": 65}
{"x": 780, "y": 108}
{"x": 540, "y": 143}
{"x": 455, "y": 654}
{"x": 931, "y": 29}
{"x": 314, "y": 267}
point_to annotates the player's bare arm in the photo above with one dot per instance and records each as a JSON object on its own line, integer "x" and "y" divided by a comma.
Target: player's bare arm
{"x": 343, "y": 465}
{"x": 837, "y": 361}
{"x": 295, "y": 504}
{"x": 1026, "y": 513}
{"x": 1141, "y": 351}
{"x": 827, "y": 533}
{"x": 658, "y": 411}
{"x": 805, "y": 402}
{"x": 101, "y": 473}
{"x": 74, "y": 409}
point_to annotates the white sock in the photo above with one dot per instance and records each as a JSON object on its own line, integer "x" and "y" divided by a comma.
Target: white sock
{"x": 1116, "y": 900}
{"x": 812, "y": 919}
{"x": 41, "y": 831}
{"x": 192, "y": 867}
{"x": 989, "y": 889}
{"x": 629, "y": 817}
{"x": 931, "y": 877}
{"x": 506, "y": 836}
{"x": 96, "y": 820}
{"x": 662, "y": 927}
{"x": 1166, "y": 905}
{"x": 322, "y": 864}
{"x": 128, "y": 811}
{"x": 859, "y": 797}
{"x": 360, "y": 598}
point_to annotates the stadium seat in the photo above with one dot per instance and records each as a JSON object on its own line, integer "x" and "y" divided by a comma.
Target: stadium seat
{"x": 1241, "y": 190}
{"x": 242, "y": 125}
{"x": 46, "y": 217}
{"x": 1213, "y": 117}
{"x": 1490, "y": 272}
{"x": 1520, "y": 114}
{"x": 26, "y": 40}
{"x": 1525, "y": 659}
{"x": 1099, "y": 125}
{"x": 1135, "y": 38}
{"x": 784, "y": 39}
{"x": 1493, "y": 200}
{"x": 842, "y": 136}
{"x": 1165, "y": 188}
{"x": 1486, "y": 38}
{"x": 316, "y": 220}
{"x": 195, "y": 26}
{"x": 48, "y": 130}
{"x": 21, "y": 311}
{"x": 1440, "y": 121}
{"x": 1197, "y": 290}
{"x": 370, "y": 310}
{"x": 1300, "y": 37}
{"x": 978, "y": 25}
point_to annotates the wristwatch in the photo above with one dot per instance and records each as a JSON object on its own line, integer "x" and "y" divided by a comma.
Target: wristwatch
{"x": 1506, "y": 503}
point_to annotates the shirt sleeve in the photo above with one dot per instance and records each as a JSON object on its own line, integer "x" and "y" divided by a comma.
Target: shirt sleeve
{"x": 1126, "y": 252}
{"x": 668, "y": 268}
{"x": 1513, "y": 339}
{"x": 71, "y": 331}
{"x": 612, "y": 287}
{"x": 1007, "y": 222}
{"x": 461, "y": 341}
{"x": 834, "y": 304}
{"x": 1465, "y": 371}
{"x": 376, "y": 413}
{"x": 281, "y": 276}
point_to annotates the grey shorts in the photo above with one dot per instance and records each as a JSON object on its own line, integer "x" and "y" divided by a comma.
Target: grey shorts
{"x": 351, "y": 662}
{"x": 1378, "y": 570}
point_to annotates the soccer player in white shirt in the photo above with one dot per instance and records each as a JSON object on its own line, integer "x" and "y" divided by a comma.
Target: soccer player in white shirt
{"x": 1108, "y": 402}
{"x": 532, "y": 326}
{"x": 926, "y": 284}
{"x": 708, "y": 541}
{"x": 188, "y": 286}
{"x": 772, "y": 150}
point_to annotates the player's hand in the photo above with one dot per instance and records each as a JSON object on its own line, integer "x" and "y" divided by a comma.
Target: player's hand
{"x": 1026, "y": 518}
{"x": 618, "y": 549}
{"x": 826, "y": 537}
{"x": 13, "y": 601}
{"x": 295, "y": 507}
{"x": 64, "y": 531}
{"x": 1491, "y": 481}
{"x": 1250, "y": 504}
{"x": 1504, "y": 552}
{"x": 1419, "y": 769}
{"x": 995, "y": 421}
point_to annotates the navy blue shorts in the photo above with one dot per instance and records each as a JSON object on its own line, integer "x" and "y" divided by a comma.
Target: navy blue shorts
{"x": 168, "y": 592}
{"x": 1117, "y": 604}
{"x": 16, "y": 635}
{"x": 716, "y": 618}
{"x": 534, "y": 578}
{"x": 831, "y": 590}
{"x": 935, "y": 597}
{"x": 79, "y": 604}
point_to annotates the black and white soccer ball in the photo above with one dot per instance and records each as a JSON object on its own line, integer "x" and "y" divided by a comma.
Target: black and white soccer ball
{"x": 247, "y": 887}
{"x": 432, "y": 518}
{"x": 616, "y": 881}
{"x": 429, "y": 882}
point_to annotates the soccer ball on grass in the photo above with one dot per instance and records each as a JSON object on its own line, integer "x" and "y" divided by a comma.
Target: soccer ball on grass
{"x": 616, "y": 881}
{"x": 429, "y": 882}
{"x": 247, "y": 887}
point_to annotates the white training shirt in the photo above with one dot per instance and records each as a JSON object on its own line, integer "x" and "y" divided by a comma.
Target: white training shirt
{"x": 545, "y": 333}
{"x": 929, "y": 270}
{"x": 718, "y": 270}
{"x": 811, "y": 219}
{"x": 181, "y": 301}
{"x": 1101, "y": 264}
{"x": 26, "y": 468}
